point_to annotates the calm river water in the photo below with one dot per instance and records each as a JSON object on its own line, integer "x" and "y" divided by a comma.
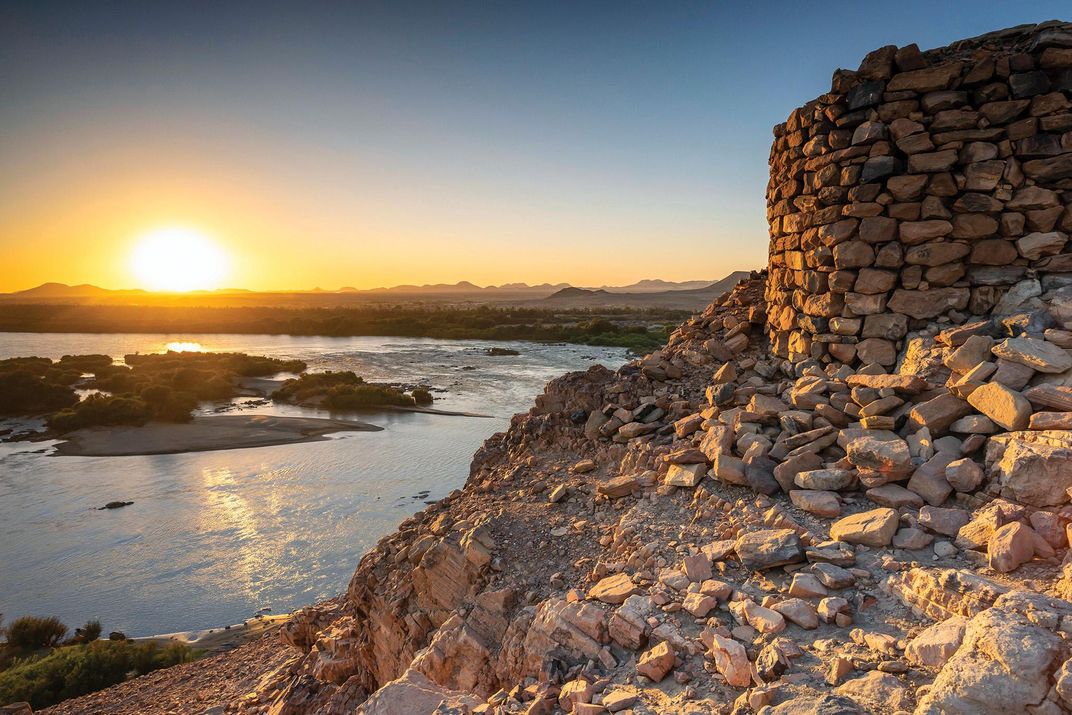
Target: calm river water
{"x": 213, "y": 537}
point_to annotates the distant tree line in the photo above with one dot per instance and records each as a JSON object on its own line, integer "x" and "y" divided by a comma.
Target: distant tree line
{"x": 624, "y": 327}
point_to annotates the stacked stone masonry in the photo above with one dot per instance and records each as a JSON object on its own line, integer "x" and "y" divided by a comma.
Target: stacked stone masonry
{"x": 921, "y": 187}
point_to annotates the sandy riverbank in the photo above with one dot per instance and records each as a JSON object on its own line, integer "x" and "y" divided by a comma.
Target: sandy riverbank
{"x": 203, "y": 434}
{"x": 218, "y": 640}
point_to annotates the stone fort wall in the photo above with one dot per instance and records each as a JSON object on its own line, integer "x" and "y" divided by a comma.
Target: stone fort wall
{"x": 920, "y": 188}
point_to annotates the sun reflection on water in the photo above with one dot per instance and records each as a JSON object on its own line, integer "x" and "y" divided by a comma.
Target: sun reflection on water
{"x": 185, "y": 347}
{"x": 229, "y": 514}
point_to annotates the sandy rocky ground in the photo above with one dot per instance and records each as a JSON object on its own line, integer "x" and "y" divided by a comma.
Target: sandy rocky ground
{"x": 709, "y": 530}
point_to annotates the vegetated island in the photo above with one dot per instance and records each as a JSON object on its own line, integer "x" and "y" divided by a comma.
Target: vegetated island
{"x": 146, "y": 405}
{"x": 639, "y": 329}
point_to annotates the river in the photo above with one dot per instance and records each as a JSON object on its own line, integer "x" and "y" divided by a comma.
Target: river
{"x": 214, "y": 537}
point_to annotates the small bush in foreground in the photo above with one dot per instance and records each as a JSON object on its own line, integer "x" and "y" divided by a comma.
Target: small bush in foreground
{"x": 30, "y": 633}
{"x": 71, "y": 671}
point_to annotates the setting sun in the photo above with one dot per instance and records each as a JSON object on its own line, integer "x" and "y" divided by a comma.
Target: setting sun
{"x": 178, "y": 259}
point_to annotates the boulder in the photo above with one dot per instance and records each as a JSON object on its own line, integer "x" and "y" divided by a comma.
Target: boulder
{"x": 1040, "y": 355}
{"x": 938, "y": 414}
{"x": 655, "y": 663}
{"x": 619, "y": 487}
{"x": 731, "y": 661}
{"x": 1010, "y": 547}
{"x": 885, "y": 455}
{"x": 798, "y": 612}
{"x": 872, "y": 528}
{"x": 943, "y": 521}
{"x": 878, "y": 690}
{"x": 1004, "y": 665}
{"x": 820, "y": 503}
{"x": 1032, "y": 473}
{"x": 1004, "y": 406}
{"x": 685, "y": 475}
{"x": 768, "y": 548}
{"x": 613, "y": 589}
{"x": 415, "y": 693}
{"x": 825, "y": 479}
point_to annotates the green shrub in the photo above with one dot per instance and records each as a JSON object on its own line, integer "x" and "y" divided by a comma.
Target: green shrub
{"x": 30, "y": 633}
{"x": 422, "y": 396}
{"x": 71, "y": 671}
{"x": 101, "y": 410}
{"x": 349, "y": 397}
{"x": 88, "y": 633}
{"x": 314, "y": 384}
{"x": 23, "y": 393}
{"x": 340, "y": 391}
{"x": 95, "y": 364}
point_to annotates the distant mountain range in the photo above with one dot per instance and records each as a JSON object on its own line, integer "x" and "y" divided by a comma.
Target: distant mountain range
{"x": 648, "y": 285}
{"x": 685, "y": 295}
{"x": 85, "y": 290}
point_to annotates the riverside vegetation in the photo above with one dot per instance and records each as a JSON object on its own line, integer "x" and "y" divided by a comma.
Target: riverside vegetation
{"x": 168, "y": 387}
{"x": 39, "y": 666}
{"x": 637, "y": 329}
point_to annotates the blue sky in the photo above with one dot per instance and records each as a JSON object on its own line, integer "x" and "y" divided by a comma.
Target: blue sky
{"x": 581, "y": 142}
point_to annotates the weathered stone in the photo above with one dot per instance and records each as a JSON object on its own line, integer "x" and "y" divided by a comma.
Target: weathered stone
{"x": 798, "y": 612}
{"x": 928, "y": 303}
{"x": 878, "y": 690}
{"x": 869, "y": 452}
{"x": 936, "y": 253}
{"x": 655, "y": 663}
{"x": 1005, "y": 407}
{"x": 764, "y": 620}
{"x": 1040, "y": 355}
{"x": 964, "y": 475}
{"x": 613, "y": 589}
{"x": 930, "y": 79}
{"x": 872, "y": 528}
{"x": 938, "y": 413}
{"x": 698, "y": 604}
{"x": 1038, "y": 474}
{"x": 1010, "y": 547}
{"x": 731, "y": 661}
{"x": 820, "y": 503}
{"x": 929, "y": 479}
{"x": 943, "y": 521}
{"x": 806, "y": 585}
{"x": 685, "y": 475}
{"x": 894, "y": 496}
{"x": 1002, "y": 666}
{"x": 618, "y": 487}
{"x": 824, "y": 479}
{"x": 768, "y": 548}
{"x": 915, "y": 232}
{"x": 937, "y": 644}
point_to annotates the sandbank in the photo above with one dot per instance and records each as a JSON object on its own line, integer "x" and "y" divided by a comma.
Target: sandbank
{"x": 203, "y": 434}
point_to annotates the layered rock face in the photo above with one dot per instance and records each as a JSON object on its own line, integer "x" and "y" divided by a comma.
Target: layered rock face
{"x": 923, "y": 186}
